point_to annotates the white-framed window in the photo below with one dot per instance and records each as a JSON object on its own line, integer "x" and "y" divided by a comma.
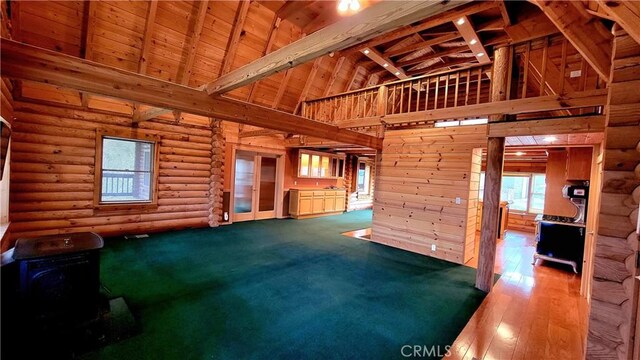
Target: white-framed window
{"x": 524, "y": 191}
{"x": 126, "y": 170}
{"x": 364, "y": 178}
{"x": 320, "y": 165}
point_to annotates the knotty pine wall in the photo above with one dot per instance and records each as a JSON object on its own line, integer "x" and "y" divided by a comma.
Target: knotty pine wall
{"x": 52, "y": 174}
{"x": 421, "y": 173}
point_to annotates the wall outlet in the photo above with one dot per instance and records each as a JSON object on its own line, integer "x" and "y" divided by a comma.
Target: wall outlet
{"x": 458, "y": 201}
{"x": 433, "y": 247}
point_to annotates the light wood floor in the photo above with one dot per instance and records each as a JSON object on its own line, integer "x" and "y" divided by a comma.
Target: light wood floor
{"x": 532, "y": 312}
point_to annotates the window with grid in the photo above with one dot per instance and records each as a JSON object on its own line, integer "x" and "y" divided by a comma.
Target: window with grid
{"x": 524, "y": 192}
{"x": 127, "y": 171}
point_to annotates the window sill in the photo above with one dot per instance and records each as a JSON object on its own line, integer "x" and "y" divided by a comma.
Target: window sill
{"x": 124, "y": 207}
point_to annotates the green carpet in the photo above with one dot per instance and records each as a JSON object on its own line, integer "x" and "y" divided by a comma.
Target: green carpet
{"x": 282, "y": 289}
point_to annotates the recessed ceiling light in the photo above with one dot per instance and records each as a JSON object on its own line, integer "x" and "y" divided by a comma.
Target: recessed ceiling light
{"x": 355, "y": 5}
{"x": 473, "y": 41}
{"x": 550, "y": 139}
{"x": 480, "y": 54}
{"x": 385, "y": 65}
{"x": 366, "y": 51}
{"x": 397, "y": 72}
{"x": 460, "y": 21}
{"x": 520, "y": 153}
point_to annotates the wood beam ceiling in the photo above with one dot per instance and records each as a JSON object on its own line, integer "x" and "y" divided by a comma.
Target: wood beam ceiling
{"x": 273, "y": 32}
{"x": 88, "y": 31}
{"x": 625, "y": 13}
{"x": 464, "y": 26}
{"x": 147, "y": 37}
{"x": 291, "y": 7}
{"x": 372, "y": 21}
{"x": 385, "y": 62}
{"x": 423, "y": 45}
{"x": 584, "y": 31}
{"x": 26, "y": 62}
{"x": 307, "y": 84}
{"x": 334, "y": 75}
{"x": 422, "y": 59}
{"x": 234, "y": 39}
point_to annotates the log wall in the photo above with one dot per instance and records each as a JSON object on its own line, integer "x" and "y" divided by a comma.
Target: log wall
{"x": 52, "y": 179}
{"x": 421, "y": 174}
{"x": 614, "y": 296}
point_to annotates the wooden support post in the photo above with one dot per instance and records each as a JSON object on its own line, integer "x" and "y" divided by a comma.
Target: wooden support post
{"x": 493, "y": 177}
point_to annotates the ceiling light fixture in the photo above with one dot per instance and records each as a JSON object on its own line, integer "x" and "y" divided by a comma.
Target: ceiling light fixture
{"x": 520, "y": 153}
{"x": 351, "y": 6}
{"x": 550, "y": 139}
{"x": 366, "y": 51}
{"x": 397, "y": 73}
{"x": 460, "y": 21}
{"x": 385, "y": 65}
{"x": 473, "y": 42}
{"x": 480, "y": 54}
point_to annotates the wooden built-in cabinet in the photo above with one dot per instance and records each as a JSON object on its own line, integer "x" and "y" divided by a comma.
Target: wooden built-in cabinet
{"x": 316, "y": 202}
{"x": 579, "y": 163}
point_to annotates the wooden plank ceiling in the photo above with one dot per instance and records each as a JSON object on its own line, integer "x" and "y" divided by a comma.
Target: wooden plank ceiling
{"x": 195, "y": 42}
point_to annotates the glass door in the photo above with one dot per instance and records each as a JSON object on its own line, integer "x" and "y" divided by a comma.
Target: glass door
{"x": 243, "y": 189}
{"x": 255, "y": 186}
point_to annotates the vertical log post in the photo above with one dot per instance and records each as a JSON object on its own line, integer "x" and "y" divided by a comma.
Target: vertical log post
{"x": 493, "y": 177}
{"x": 218, "y": 145}
{"x": 382, "y": 101}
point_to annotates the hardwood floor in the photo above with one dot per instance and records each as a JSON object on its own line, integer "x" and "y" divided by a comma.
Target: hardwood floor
{"x": 533, "y": 312}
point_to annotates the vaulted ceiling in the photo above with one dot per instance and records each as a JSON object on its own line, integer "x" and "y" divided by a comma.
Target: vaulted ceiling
{"x": 195, "y": 42}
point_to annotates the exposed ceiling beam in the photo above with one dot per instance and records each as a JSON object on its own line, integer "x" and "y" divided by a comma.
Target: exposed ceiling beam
{"x": 307, "y": 84}
{"x": 353, "y": 77}
{"x": 584, "y": 31}
{"x": 502, "y": 5}
{"x": 291, "y": 7}
{"x": 89, "y": 28}
{"x": 438, "y": 66}
{"x": 198, "y": 25}
{"x": 446, "y": 17}
{"x": 423, "y": 45}
{"x": 464, "y": 26}
{"x": 147, "y": 36}
{"x": 531, "y": 27}
{"x": 625, "y": 13}
{"x": 26, "y": 62}
{"x": 421, "y": 59}
{"x": 334, "y": 75}
{"x": 281, "y": 89}
{"x": 234, "y": 38}
{"x": 273, "y": 32}
{"x": 385, "y": 62}
{"x": 370, "y": 22}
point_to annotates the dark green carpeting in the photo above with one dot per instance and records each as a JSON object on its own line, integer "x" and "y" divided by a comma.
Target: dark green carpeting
{"x": 283, "y": 289}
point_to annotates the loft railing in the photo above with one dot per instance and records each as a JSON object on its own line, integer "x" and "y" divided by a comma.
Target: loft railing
{"x": 540, "y": 67}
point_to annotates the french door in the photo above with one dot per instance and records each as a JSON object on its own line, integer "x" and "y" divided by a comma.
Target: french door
{"x": 255, "y": 185}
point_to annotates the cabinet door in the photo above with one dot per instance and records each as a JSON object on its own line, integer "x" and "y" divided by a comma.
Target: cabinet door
{"x": 318, "y": 204}
{"x": 330, "y": 202}
{"x": 340, "y": 202}
{"x": 579, "y": 163}
{"x": 305, "y": 206}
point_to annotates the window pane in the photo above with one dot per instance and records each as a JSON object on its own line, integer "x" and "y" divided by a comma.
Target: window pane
{"x": 315, "y": 165}
{"x": 243, "y": 187}
{"x": 126, "y": 170}
{"x": 539, "y": 184}
{"x": 515, "y": 190}
{"x": 537, "y": 194}
{"x": 304, "y": 165}
{"x": 537, "y": 203}
{"x": 324, "y": 169}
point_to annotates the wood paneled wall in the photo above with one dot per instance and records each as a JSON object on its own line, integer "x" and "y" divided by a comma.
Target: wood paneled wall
{"x": 6, "y": 109}
{"x": 615, "y": 295}
{"x": 474, "y": 198}
{"x": 421, "y": 174}
{"x": 52, "y": 179}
